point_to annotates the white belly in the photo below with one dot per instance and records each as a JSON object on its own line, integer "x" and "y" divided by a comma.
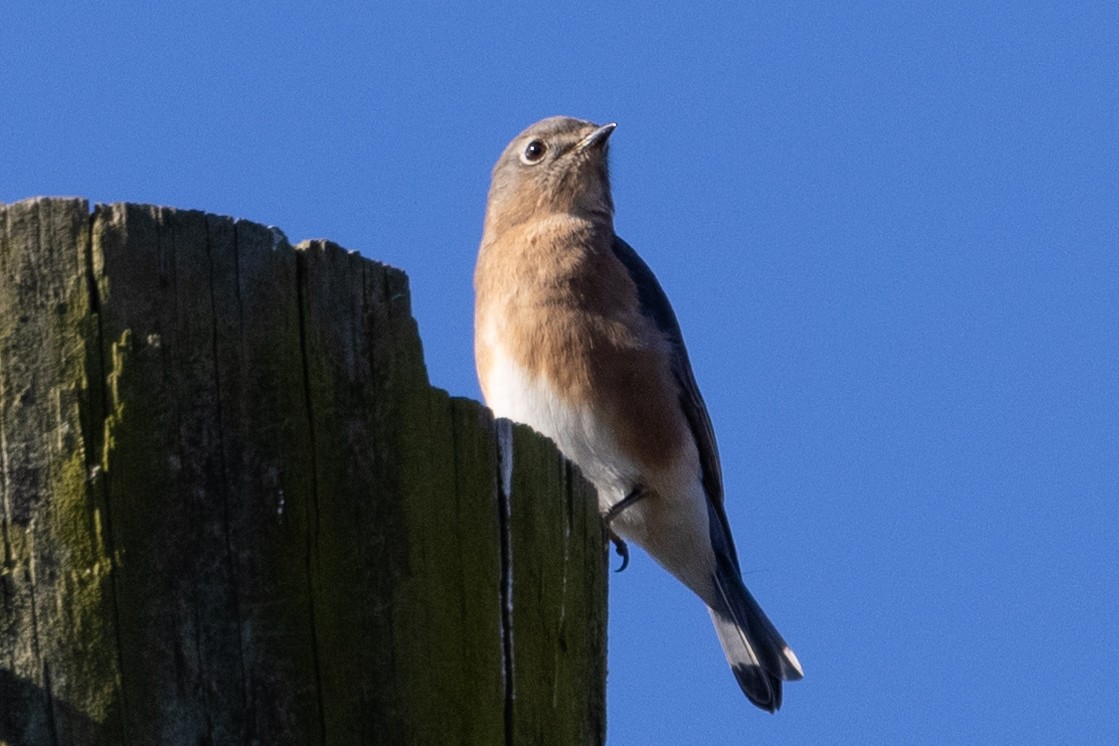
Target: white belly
{"x": 581, "y": 435}
{"x": 672, "y": 526}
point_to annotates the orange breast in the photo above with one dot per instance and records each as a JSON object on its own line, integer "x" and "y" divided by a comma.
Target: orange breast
{"x": 565, "y": 309}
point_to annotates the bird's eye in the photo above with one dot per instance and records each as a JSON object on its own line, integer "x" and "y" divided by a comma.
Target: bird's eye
{"x": 534, "y": 152}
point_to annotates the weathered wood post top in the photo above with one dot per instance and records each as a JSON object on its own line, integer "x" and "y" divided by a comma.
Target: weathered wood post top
{"x": 235, "y": 511}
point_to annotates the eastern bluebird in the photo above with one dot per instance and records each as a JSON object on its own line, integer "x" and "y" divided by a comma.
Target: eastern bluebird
{"x": 575, "y": 338}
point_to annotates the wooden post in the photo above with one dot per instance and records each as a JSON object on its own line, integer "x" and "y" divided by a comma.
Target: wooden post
{"x": 235, "y": 511}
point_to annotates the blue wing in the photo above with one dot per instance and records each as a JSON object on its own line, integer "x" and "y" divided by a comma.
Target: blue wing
{"x": 655, "y": 306}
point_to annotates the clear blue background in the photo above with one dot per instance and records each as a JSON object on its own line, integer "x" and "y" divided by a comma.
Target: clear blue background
{"x": 890, "y": 234}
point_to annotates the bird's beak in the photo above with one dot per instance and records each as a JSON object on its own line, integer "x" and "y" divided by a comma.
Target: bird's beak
{"x": 597, "y": 137}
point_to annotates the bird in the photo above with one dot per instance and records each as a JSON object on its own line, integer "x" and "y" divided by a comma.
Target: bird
{"x": 574, "y": 336}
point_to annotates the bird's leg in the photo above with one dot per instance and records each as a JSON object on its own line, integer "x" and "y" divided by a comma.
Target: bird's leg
{"x": 615, "y": 510}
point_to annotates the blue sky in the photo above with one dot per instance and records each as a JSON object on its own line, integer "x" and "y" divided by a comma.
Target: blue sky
{"x": 890, "y": 234}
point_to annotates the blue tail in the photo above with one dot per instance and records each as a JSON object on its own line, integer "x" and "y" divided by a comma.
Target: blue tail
{"x": 755, "y": 650}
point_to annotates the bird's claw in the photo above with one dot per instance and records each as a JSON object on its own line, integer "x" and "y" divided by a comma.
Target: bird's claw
{"x": 621, "y": 548}
{"x": 615, "y": 510}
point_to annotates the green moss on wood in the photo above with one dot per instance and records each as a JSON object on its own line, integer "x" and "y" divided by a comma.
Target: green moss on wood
{"x": 59, "y": 677}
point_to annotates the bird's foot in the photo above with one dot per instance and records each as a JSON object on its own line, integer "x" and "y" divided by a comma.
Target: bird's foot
{"x": 616, "y": 510}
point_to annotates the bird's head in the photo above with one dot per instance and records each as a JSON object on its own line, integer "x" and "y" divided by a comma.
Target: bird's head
{"x": 558, "y": 165}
